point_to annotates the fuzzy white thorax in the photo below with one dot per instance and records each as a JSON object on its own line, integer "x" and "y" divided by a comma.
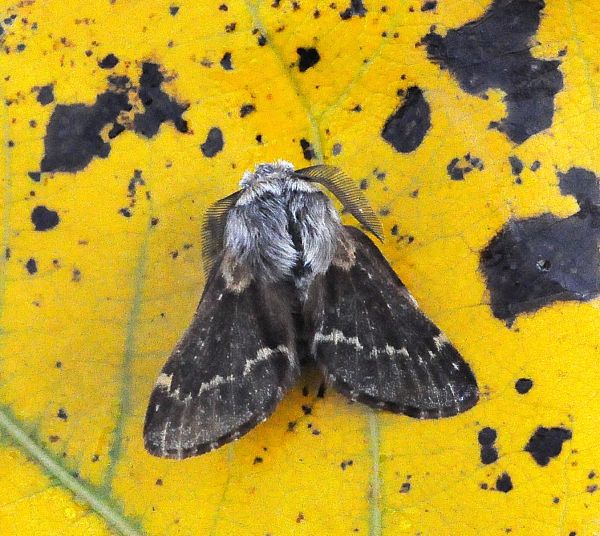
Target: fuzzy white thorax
{"x": 281, "y": 226}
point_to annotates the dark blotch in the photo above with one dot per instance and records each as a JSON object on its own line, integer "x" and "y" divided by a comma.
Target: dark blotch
{"x": 487, "y": 437}
{"x": 307, "y": 149}
{"x": 34, "y": 176}
{"x": 247, "y": 109}
{"x": 308, "y": 58}
{"x": 515, "y": 165}
{"x": 116, "y": 129}
{"x": 108, "y": 62}
{"x": 226, "y": 62}
{"x": 159, "y": 107}
{"x": 429, "y": 5}
{"x": 546, "y": 443}
{"x": 213, "y": 144}
{"x": 536, "y": 261}
{"x": 73, "y": 134}
{"x": 62, "y": 414}
{"x": 173, "y": 10}
{"x": 459, "y": 167}
{"x": 523, "y": 385}
{"x": 43, "y": 218}
{"x": 356, "y": 9}
{"x": 405, "y": 129}
{"x": 31, "y": 266}
{"x": 45, "y": 94}
{"x": 455, "y": 173}
{"x": 504, "y": 483}
{"x": 494, "y": 52}
{"x": 488, "y": 455}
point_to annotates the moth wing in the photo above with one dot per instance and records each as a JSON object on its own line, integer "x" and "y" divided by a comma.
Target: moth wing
{"x": 213, "y": 227}
{"x": 375, "y": 345}
{"x": 228, "y": 372}
{"x": 351, "y": 197}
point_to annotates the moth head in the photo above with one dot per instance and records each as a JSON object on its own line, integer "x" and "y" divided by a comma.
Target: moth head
{"x": 264, "y": 173}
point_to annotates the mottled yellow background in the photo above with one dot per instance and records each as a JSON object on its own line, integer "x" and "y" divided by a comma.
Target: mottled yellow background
{"x": 84, "y": 336}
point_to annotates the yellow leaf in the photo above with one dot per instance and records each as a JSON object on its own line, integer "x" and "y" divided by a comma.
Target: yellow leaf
{"x": 123, "y": 121}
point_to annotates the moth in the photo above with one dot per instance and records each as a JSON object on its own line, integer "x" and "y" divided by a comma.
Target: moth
{"x": 287, "y": 282}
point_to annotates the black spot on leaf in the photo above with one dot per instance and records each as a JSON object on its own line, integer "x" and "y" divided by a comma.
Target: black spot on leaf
{"x": 405, "y": 129}
{"x": 108, "y": 62}
{"x": 62, "y": 414}
{"x": 45, "y": 94}
{"x": 173, "y": 10}
{"x": 159, "y": 107}
{"x": 429, "y": 5}
{"x": 494, "y": 52}
{"x": 43, "y": 218}
{"x": 31, "y": 266}
{"x": 516, "y": 165}
{"x": 307, "y": 149}
{"x": 308, "y": 58}
{"x": 116, "y": 129}
{"x": 487, "y": 437}
{"x": 247, "y": 109}
{"x": 504, "y": 483}
{"x": 34, "y": 176}
{"x": 523, "y": 385}
{"x": 459, "y": 167}
{"x": 213, "y": 144}
{"x": 226, "y": 62}
{"x": 73, "y": 134}
{"x": 547, "y": 443}
{"x": 533, "y": 262}
{"x": 356, "y": 9}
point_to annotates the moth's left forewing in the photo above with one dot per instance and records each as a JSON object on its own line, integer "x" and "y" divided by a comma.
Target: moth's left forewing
{"x": 229, "y": 370}
{"x": 375, "y": 345}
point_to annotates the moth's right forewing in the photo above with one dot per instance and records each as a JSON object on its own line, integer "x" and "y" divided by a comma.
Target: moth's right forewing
{"x": 228, "y": 372}
{"x": 375, "y": 345}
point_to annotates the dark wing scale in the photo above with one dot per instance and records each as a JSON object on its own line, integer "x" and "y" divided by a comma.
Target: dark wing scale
{"x": 227, "y": 374}
{"x": 342, "y": 186}
{"x": 376, "y": 346}
{"x": 213, "y": 227}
